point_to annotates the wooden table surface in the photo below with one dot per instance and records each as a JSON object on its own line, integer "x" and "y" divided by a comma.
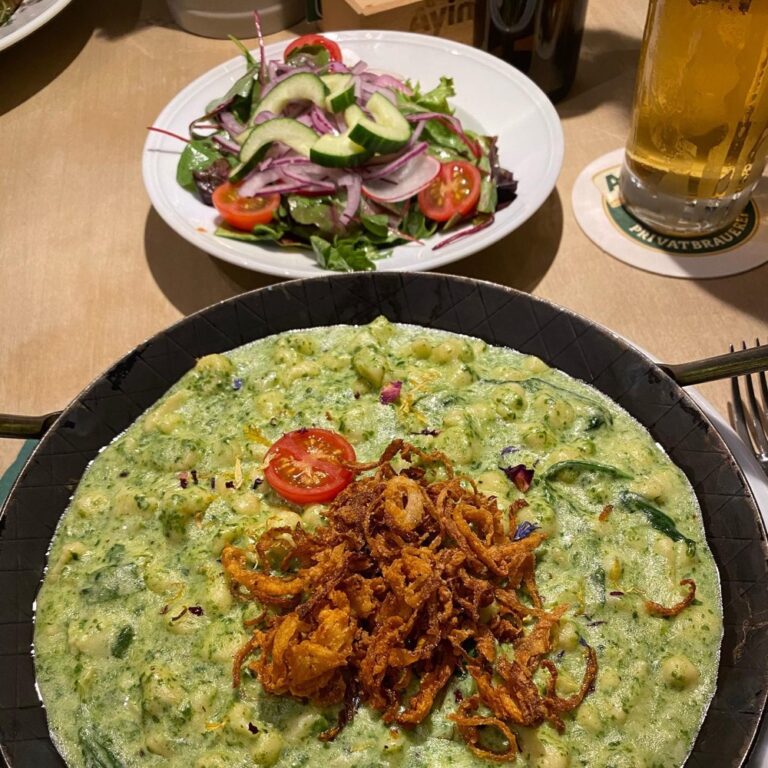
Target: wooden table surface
{"x": 88, "y": 269}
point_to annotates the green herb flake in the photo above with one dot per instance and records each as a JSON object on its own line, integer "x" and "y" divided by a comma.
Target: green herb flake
{"x": 123, "y": 641}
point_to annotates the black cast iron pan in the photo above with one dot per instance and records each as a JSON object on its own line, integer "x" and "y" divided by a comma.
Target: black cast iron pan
{"x": 499, "y": 316}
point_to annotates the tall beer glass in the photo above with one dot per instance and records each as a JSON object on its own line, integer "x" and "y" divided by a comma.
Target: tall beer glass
{"x": 699, "y": 135}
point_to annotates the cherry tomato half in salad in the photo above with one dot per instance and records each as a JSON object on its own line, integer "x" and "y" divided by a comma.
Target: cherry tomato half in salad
{"x": 305, "y": 466}
{"x": 243, "y": 212}
{"x": 314, "y": 41}
{"x": 454, "y": 191}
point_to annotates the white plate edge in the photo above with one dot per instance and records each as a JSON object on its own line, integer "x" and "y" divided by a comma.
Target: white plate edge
{"x": 33, "y": 24}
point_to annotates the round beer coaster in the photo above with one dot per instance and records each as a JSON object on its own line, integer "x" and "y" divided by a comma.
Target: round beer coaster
{"x": 598, "y": 209}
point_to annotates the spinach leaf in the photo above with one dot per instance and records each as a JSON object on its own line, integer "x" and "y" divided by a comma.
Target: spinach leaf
{"x": 310, "y": 56}
{"x": 123, "y": 641}
{"x": 377, "y": 225}
{"x": 634, "y": 502}
{"x": 312, "y": 211}
{"x": 323, "y": 251}
{"x": 350, "y": 254}
{"x": 97, "y": 751}
{"x": 241, "y": 90}
{"x": 198, "y": 155}
{"x": 272, "y": 231}
{"x": 594, "y": 422}
{"x": 443, "y": 154}
{"x": 250, "y": 62}
{"x": 553, "y": 497}
{"x": 317, "y": 214}
{"x": 416, "y": 225}
{"x": 577, "y": 466}
{"x": 595, "y": 589}
{"x": 438, "y": 133}
{"x": 113, "y": 581}
{"x": 535, "y": 384}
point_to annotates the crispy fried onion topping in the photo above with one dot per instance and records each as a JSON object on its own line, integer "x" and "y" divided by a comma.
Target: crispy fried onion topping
{"x": 411, "y": 580}
{"x": 657, "y": 609}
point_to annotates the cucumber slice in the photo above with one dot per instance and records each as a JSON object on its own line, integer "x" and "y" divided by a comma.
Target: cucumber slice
{"x": 387, "y": 132}
{"x": 287, "y": 131}
{"x": 335, "y": 82}
{"x": 340, "y": 151}
{"x": 353, "y": 115}
{"x": 303, "y": 86}
{"x": 342, "y": 92}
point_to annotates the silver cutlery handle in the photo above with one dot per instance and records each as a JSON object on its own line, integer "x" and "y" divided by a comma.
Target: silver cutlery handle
{"x": 737, "y": 363}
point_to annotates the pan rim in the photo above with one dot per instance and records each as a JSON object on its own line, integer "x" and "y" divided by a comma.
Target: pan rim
{"x": 617, "y": 339}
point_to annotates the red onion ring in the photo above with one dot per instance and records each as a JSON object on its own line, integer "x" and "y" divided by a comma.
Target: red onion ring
{"x": 464, "y": 233}
{"x": 369, "y": 173}
{"x": 320, "y": 122}
{"x": 230, "y": 123}
{"x": 228, "y": 145}
{"x": 256, "y": 181}
{"x": 354, "y": 186}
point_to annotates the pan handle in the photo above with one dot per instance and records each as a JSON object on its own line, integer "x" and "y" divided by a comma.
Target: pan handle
{"x": 24, "y": 427}
{"x": 737, "y": 363}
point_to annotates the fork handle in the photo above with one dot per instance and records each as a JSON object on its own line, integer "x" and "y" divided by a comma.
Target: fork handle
{"x": 737, "y": 363}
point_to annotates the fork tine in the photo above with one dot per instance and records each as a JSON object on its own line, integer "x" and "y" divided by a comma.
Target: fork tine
{"x": 764, "y": 391}
{"x": 755, "y": 420}
{"x": 737, "y": 414}
{"x": 762, "y": 411}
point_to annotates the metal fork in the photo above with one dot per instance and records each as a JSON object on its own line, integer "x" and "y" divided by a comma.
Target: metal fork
{"x": 750, "y": 417}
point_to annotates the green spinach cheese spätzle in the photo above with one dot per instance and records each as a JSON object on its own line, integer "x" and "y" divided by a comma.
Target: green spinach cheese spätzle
{"x": 137, "y": 628}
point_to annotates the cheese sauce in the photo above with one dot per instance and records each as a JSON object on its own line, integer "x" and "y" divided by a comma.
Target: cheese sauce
{"x": 136, "y": 627}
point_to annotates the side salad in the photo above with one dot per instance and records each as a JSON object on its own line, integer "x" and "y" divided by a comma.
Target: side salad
{"x": 310, "y": 151}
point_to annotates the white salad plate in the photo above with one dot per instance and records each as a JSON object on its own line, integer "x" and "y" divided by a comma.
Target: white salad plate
{"x": 492, "y": 98}
{"x": 28, "y": 17}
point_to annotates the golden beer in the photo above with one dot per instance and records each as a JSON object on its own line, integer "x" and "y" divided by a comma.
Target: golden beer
{"x": 699, "y": 133}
